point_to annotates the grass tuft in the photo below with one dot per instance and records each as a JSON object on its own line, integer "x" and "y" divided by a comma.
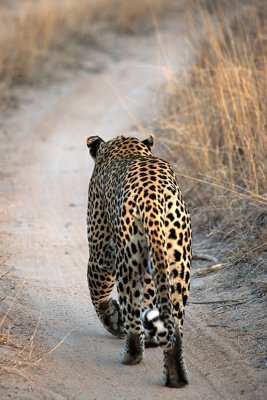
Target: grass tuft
{"x": 214, "y": 121}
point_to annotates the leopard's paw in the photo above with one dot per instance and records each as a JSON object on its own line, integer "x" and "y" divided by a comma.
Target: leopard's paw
{"x": 133, "y": 350}
{"x": 174, "y": 367}
{"x": 111, "y": 317}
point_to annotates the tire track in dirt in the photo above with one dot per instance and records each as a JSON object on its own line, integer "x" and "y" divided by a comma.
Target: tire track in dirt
{"x": 50, "y": 169}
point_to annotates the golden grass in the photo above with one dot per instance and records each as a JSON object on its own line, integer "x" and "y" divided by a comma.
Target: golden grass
{"x": 214, "y": 123}
{"x": 30, "y": 29}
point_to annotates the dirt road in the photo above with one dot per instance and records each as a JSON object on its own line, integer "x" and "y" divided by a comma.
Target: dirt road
{"x": 46, "y": 169}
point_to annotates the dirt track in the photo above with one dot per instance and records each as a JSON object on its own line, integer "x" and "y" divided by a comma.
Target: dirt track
{"x": 46, "y": 174}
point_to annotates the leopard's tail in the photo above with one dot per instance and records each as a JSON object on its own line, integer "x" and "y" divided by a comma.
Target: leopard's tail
{"x": 158, "y": 322}
{"x": 154, "y": 327}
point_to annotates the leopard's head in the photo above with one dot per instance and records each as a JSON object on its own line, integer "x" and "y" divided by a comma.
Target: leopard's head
{"x": 120, "y": 146}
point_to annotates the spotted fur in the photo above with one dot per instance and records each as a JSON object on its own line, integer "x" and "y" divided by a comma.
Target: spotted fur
{"x": 139, "y": 236}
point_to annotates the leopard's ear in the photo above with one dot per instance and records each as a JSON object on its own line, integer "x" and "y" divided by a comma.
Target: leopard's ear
{"x": 149, "y": 142}
{"x": 93, "y": 143}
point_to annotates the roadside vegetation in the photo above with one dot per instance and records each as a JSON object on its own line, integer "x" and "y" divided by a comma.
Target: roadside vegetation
{"x": 214, "y": 122}
{"x": 12, "y": 348}
{"x": 213, "y": 128}
{"x": 35, "y": 32}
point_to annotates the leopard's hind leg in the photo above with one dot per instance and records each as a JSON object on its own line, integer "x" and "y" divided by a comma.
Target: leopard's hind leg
{"x": 179, "y": 254}
{"x": 101, "y": 281}
{"x": 130, "y": 277}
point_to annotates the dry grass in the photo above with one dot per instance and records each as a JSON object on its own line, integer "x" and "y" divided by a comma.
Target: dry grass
{"x": 30, "y": 30}
{"x": 20, "y": 349}
{"x": 12, "y": 348}
{"x": 214, "y": 122}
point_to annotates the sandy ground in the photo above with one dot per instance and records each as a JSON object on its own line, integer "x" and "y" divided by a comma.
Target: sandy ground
{"x": 45, "y": 169}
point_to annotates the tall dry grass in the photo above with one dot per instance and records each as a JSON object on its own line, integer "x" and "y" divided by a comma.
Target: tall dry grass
{"x": 30, "y": 30}
{"x": 214, "y": 122}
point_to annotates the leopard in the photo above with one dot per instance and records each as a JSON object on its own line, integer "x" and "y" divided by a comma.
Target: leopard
{"x": 140, "y": 238}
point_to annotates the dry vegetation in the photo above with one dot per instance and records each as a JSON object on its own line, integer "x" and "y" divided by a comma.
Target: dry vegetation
{"x": 31, "y": 30}
{"x": 14, "y": 352}
{"x": 19, "y": 327}
{"x": 214, "y": 122}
